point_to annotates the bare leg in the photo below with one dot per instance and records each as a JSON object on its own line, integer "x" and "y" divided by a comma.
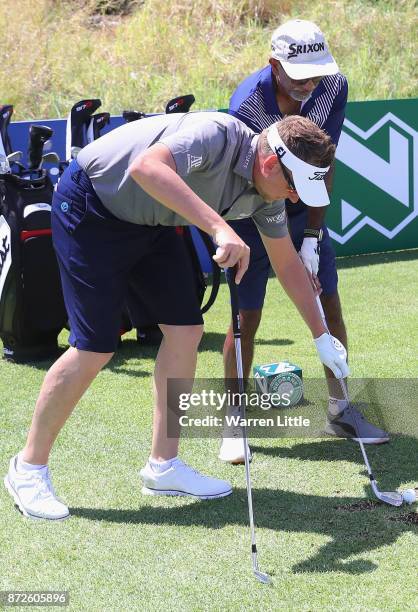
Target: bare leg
{"x": 176, "y": 359}
{"x": 249, "y": 321}
{"x": 63, "y": 386}
{"x": 333, "y": 315}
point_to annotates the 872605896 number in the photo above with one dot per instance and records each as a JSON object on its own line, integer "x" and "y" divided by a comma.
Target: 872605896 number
{"x": 34, "y": 598}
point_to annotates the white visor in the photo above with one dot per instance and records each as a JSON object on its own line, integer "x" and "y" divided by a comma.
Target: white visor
{"x": 308, "y": 179}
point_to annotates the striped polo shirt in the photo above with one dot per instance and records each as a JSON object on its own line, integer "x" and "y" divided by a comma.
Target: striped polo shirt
{"x": 254, "y": 102}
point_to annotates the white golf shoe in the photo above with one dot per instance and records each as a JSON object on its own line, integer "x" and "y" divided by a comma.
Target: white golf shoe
{"x": 181, "y": 479}
{"x": 232, "y": 446}
{"x": 232, "y": 450}
{"x": 34, "y": 494}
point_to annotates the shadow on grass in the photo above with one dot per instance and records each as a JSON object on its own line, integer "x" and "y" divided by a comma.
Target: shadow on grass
{"x": 128, "y": 350}
{"x": 354, "y": 526}
{"x": 350, "y": 533}
{"x": 392, "y": 463}
{"x": 213, "y": 341}
{"x": 357, "y": 261}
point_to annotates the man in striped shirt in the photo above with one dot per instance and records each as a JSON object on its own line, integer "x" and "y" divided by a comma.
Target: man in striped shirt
{"x": 302, "y": 78}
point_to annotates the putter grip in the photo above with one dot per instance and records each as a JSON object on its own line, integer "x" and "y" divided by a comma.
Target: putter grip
{"x": 233, "y": 290}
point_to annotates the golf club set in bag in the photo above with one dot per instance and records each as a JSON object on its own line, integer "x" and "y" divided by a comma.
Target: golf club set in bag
{"x": 32, "y": 311}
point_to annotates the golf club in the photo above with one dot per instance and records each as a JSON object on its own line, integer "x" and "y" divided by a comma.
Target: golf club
{"x": 77, "y": 122}
{"x": 132, "y": 115}
{"x": 38, "y": 135}
{"x": 14, "y": 157}
{"x": 261, "y": 576}
{"x": 75, "y": 151}
{"x": 49, "y": 158}
{"x": 393, "y": 498}
{"x": 96, "y": 124}
{"x": 180, "y": 104}
{"x": 6, "y": 111}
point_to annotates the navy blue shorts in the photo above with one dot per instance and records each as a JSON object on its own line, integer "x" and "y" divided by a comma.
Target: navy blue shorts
{"x": 98, "y": 253}
{"x": 252, "y": 288}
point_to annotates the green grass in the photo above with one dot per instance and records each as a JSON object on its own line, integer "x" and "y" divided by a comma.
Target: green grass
{"x": 55, "y": 53}
{"x": 123, "y": 551}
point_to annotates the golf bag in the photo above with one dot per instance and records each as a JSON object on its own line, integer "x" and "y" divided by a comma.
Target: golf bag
{"x": 32, "y": 311}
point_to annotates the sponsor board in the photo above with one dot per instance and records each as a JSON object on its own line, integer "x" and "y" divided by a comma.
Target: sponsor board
{"x": 374, "y": 204}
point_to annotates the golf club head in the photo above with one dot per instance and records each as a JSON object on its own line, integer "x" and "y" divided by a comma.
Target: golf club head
{"x": 75, "y": 151}
{"x": 132, "y": 115}
{"x": 6, "y": 111}
{"x": 262, "y": 577}
{"x": 77, "y": 122}
{"x": 96, "y": 124}
{"x": 180, "y": 104}
{"x": 393, "y": 498}
{"x": 51, "y": 158}
{"x": 15, "y": 157}
{"x": 38, "y": 135}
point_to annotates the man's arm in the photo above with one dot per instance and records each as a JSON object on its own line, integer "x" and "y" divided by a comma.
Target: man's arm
{"x": 155, "y": 171}
{"x": 316, "y": 216}
{"x": 292, "y": 276}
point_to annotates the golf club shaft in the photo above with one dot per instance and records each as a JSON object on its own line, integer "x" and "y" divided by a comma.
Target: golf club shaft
{"x": 6, "y": 111}
{"x": 238, "y": 353}
{"x": 347, "y": 399}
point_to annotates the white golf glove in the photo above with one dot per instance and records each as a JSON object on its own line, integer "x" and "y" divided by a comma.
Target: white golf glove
{"x": 332, "y": 354}
{"x": 309, "y": 254}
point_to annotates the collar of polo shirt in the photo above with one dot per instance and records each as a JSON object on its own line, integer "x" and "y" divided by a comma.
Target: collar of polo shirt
{"x": 308, "y": 179}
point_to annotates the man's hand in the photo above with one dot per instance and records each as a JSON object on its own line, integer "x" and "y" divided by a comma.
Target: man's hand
{"x": 309, "y": 254}
{"x": 231, "y": 250}
{"x": 332, "y": 354}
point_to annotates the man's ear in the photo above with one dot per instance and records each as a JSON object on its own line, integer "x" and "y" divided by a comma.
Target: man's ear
{"x": 269, "y": 165}
{"x": 274, "y": 63}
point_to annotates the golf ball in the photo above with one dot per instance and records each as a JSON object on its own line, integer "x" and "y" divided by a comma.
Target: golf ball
{"x": 409, "y": 496}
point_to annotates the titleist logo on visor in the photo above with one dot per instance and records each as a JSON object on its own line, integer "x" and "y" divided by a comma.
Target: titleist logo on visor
{"x": 280, "y": 151}
{"x": 318, "y": 176}
{"x": 295, "y": 50}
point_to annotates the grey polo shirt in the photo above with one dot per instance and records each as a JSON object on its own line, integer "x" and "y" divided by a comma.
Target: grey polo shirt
{"x": 214, "y": 153}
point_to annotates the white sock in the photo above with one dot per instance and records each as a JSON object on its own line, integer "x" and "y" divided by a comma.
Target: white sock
{"x": 336, "y": 406}
{"x": 160, "y": 466}
{"x": 22, "y": 466}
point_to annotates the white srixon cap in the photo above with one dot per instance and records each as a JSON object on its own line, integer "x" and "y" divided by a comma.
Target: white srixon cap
{"x": 302, "y": 50}
{"x": 308, "y": 179}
